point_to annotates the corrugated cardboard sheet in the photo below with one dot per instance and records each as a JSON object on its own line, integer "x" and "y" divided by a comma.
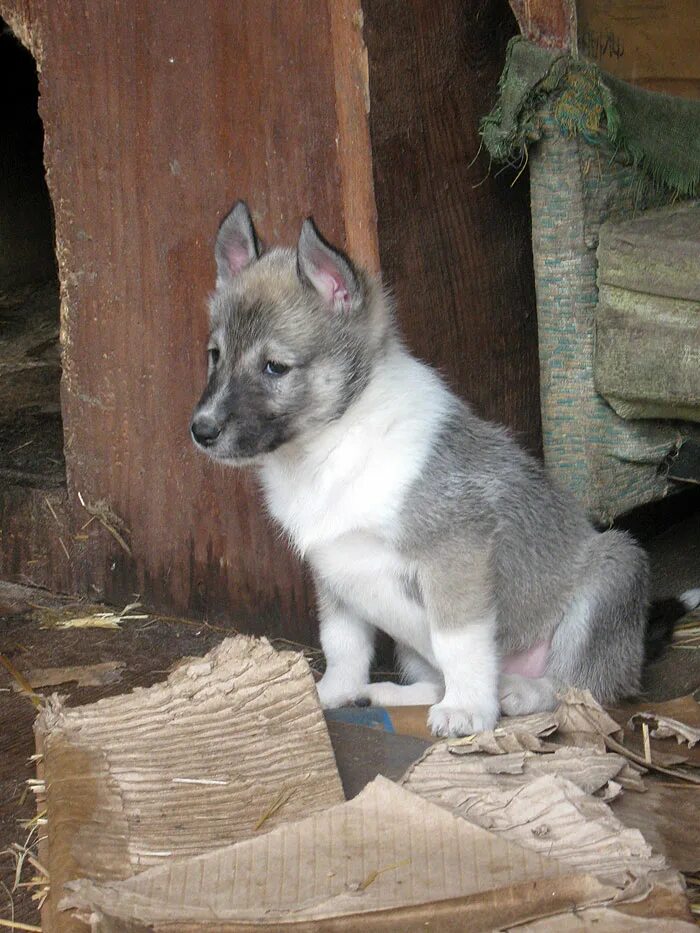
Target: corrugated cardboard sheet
{"x": 385, "y": 849}
{"x": 212, "y": 803}
{"x": 183, "y": 767}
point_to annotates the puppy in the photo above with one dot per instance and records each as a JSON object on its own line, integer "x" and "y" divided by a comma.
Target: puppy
{"x": 415, "y": 516}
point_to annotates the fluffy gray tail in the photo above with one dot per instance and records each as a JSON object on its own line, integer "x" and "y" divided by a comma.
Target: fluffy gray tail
{"x": 599, "y": 645}
{"x": 663, "y": 616}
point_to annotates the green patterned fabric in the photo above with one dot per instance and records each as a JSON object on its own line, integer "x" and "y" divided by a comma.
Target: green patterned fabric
{"x": 657, "y": 132}
{"x": 595, "y": 158}
{"x": 611, "y": 464}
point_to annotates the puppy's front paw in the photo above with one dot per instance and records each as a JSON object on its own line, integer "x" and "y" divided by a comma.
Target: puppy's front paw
{"x": 446, "y": 720}
{"x": 333, "y": 693}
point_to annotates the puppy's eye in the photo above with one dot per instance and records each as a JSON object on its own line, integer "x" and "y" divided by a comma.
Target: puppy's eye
{"x": 213, "y": 355}
{"x": 273, "y": 368}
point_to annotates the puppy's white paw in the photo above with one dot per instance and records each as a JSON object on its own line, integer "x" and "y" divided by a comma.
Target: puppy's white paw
{"x": 521, "y": 696}
{"x": 333, "y": 693}
{"x": 446, "y": 720}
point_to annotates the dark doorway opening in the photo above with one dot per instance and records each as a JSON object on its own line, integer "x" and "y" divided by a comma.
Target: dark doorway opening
{"x": 31, "y": 431}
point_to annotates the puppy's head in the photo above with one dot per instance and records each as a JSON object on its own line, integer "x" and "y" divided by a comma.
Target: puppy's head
{"x": 294, "y": 337}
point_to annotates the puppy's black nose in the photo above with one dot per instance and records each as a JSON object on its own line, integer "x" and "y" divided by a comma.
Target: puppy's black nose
{"x": 204, "y": 430}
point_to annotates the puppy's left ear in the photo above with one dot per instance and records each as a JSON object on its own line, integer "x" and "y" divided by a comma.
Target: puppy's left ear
{"x": 326, "y": 269}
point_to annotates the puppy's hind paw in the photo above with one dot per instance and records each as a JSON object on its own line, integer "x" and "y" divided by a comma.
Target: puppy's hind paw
{"x": 455, "y": 721}
{"x": 521, "y": 696}
{"x": 333, "y": 695}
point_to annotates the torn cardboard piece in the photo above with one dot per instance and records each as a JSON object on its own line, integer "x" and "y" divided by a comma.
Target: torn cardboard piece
{"x": 548, "y": 813}
{"x": 663, "y": 727}
{"x": 513, "y": 734}
{"x": 176, "y": 807}
{"x": 581, "y": 720}
{"x": 683, "y": 710}
{"x": 182, "y": 767}
{"x": 385, "y": 850}
{"x": 588, "y": 768}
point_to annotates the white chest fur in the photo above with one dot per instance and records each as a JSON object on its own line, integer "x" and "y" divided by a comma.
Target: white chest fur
{"x": 376, "y": 583}
{"x": 340, "y": 498}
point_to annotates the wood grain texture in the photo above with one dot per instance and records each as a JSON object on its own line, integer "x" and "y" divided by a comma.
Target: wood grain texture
{"x": 454, "y": 237}
{"x": 652, "y": 45}
{"x": 549, "y": 23}
{"x": 352, "y": 103}
{"x": 157, "y": 116}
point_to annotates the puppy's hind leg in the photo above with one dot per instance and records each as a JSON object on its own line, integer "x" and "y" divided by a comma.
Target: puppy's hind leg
{"x": 422, "y": 684}
{"x": 599, "y": 645}
{"x": 414, "y": 668}
{"x": 521, "y": 695}
{"x": 387, "y": 693}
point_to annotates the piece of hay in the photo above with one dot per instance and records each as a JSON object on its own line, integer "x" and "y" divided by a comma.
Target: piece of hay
{"x": 49, "y": 618}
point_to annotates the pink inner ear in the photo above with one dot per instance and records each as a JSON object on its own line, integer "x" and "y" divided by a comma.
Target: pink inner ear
{"x": 238, "y": 254}
{"x": 329, "y": 282}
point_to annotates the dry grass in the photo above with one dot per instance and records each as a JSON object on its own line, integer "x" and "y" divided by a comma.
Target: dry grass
{"x": 277, "y": 804}
{"x": 28, "y": 871}
{"x": 686, "y": 635}
{"x": 71, "y": 618}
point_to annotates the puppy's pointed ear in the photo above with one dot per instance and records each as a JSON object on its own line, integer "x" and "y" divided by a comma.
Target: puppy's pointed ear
{"x": 326, "y": 269}
{"x": 237, "y": 243}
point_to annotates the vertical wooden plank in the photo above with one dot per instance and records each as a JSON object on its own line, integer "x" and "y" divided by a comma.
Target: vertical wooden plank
{"x": 157, "y": 116}
{"x": 549, "y": 23}
{"x": 454, "y": 235}
{"x": 352, "y": 109}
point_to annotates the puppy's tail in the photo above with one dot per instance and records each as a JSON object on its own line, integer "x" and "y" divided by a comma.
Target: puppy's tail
{"x": 662, "y": 619}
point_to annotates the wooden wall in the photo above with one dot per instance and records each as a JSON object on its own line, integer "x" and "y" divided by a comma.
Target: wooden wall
{"x": 157, "y": 116}
{"x": 653, "y": 45}
{"x": 454, "y": 238}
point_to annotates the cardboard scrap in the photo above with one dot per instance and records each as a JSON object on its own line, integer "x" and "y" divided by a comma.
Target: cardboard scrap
{"x": 684, "y": 710}
{"x": 182, "y": 767}
{"x": 665, "y": 728}
{"x": 386, "y": 849}
{"x": 88, "y": 675}
{"x": 581, "y": 720}
{"x": 548, "y": 813}
{"x": 513, "y": 733}
{"x": 588, "y": 768}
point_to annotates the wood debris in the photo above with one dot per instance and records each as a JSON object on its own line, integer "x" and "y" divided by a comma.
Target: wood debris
{"x": 85, "y": 675}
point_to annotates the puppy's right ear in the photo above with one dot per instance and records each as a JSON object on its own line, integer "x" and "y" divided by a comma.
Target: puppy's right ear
{"x": 237, "y": 243}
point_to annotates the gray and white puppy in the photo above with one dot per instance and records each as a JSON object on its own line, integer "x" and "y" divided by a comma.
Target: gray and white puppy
{"x": 416, "y": 517}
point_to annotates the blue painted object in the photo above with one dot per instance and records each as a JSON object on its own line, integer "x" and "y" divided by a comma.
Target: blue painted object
{"x": 374, "y": 717}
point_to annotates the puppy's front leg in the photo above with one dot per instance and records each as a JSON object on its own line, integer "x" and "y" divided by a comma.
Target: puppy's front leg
{"x": 348, "y": 646}
{"x": 469, "y": 664}
{"x": 462, "y": 618}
